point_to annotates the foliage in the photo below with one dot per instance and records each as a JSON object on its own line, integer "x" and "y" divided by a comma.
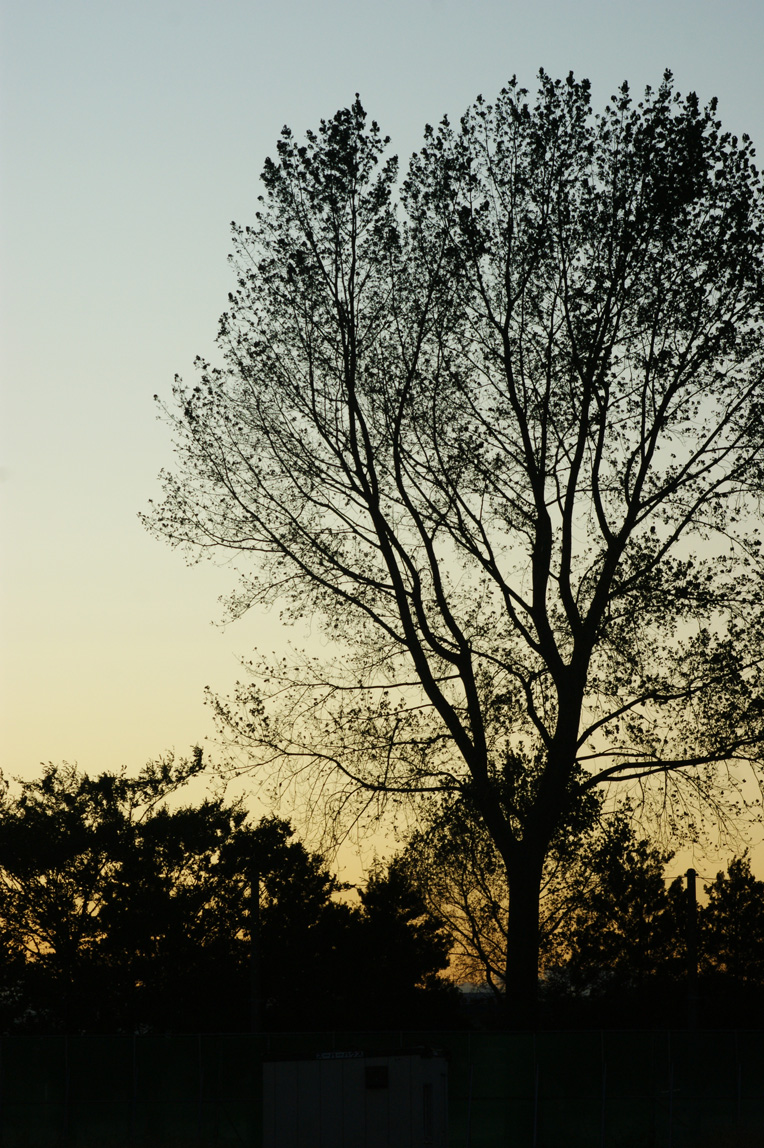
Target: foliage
{"x": 408, "y": 946}
{"x": 614, "y": 924}
{"x": 626, "y": 955}
{"x": 62, "y": 844}
{"x": 606, "y": 916}
{"x": 120, "y": 912}
{"x": 732, "y": 925}
{"x": 498, "y": 429}
{"x": 453, "y": 862}
{"x": 629, "y": 927}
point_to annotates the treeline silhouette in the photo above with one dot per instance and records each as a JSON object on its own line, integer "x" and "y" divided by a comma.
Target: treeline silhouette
{"x": 123, "y": 908}
{"x": 640, "y": 952}
{"x": 120, "y": 913}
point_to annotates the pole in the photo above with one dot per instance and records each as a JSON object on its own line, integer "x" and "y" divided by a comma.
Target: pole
{"x": 469, "y": 1108}
{"x": 255, "y": 988}
{"x": 536, "y": 1107}
{"x": 692, "y": 950}
{"x": 603, "y": 1101}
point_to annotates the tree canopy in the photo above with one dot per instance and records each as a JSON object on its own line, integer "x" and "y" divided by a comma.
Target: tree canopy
{"x": 454, "y": 864}
{"x": 498, "y": 426}
{"x": 124, "y": 907}
{"x": 732, "y": 925}
{"x": 123, "y": 911}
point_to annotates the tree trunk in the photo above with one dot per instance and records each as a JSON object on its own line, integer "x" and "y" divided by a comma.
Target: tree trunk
{"x": 523, "y": 940}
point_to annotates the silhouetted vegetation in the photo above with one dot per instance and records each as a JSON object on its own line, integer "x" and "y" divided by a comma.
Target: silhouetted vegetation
{"x": 613, "y": 922}
{"x": 123, "y": 909}
{"x": 120, "y": 912}
{"x": 498, "y": 427}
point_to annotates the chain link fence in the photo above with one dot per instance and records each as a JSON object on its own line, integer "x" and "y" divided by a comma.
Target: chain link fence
{"x": 609, "y": 1089}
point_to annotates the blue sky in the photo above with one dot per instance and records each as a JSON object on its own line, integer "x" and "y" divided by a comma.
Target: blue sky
{"x": 132, "y": 133}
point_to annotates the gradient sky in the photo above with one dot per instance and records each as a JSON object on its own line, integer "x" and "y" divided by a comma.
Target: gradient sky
{"x": 133, "y": 132}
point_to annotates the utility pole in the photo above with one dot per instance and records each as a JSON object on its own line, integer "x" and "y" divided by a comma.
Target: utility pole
{"x": 255, "y": 988}
{"x": 691, "y": 935}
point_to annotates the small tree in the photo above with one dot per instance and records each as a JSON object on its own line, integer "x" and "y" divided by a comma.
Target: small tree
{"x": 407, "y": 945}
{"x": 628, "y": 928}
{"x": 453, "y": 862}
{"x": 732, "y": 925}
{"x": 120, "y": 911}
{"x": 64, "y": 841}
{"x": 503, "y": 438}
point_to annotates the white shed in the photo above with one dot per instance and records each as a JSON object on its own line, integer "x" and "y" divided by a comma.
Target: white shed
{"x": 350, "y": 1100}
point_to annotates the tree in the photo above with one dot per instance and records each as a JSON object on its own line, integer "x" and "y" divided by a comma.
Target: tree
{"x": 62, "y": 843}
{"x": 625, "y": 951}
{"x": 407, "y": 948}
{"x": 455, "y": 866}
{"x": 453, "y": 863}
{"x": 629, "y": 927}
{"x": 732, "y": 925}
{"x": 606, "y": 917}
{"x": 173, "y": 943}
{"x": 500, "y": 431}
{"x": 119, "y": 912}
{"x": 123, "y": 912}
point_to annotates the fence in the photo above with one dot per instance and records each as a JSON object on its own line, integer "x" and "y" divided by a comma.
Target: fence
{"x": 611, "y": 1089}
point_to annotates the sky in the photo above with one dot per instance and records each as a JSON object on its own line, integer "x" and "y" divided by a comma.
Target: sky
{"x": 132, "y": 132}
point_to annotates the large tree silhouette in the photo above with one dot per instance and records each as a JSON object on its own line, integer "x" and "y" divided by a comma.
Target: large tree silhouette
{"x": 500, "y": 431}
